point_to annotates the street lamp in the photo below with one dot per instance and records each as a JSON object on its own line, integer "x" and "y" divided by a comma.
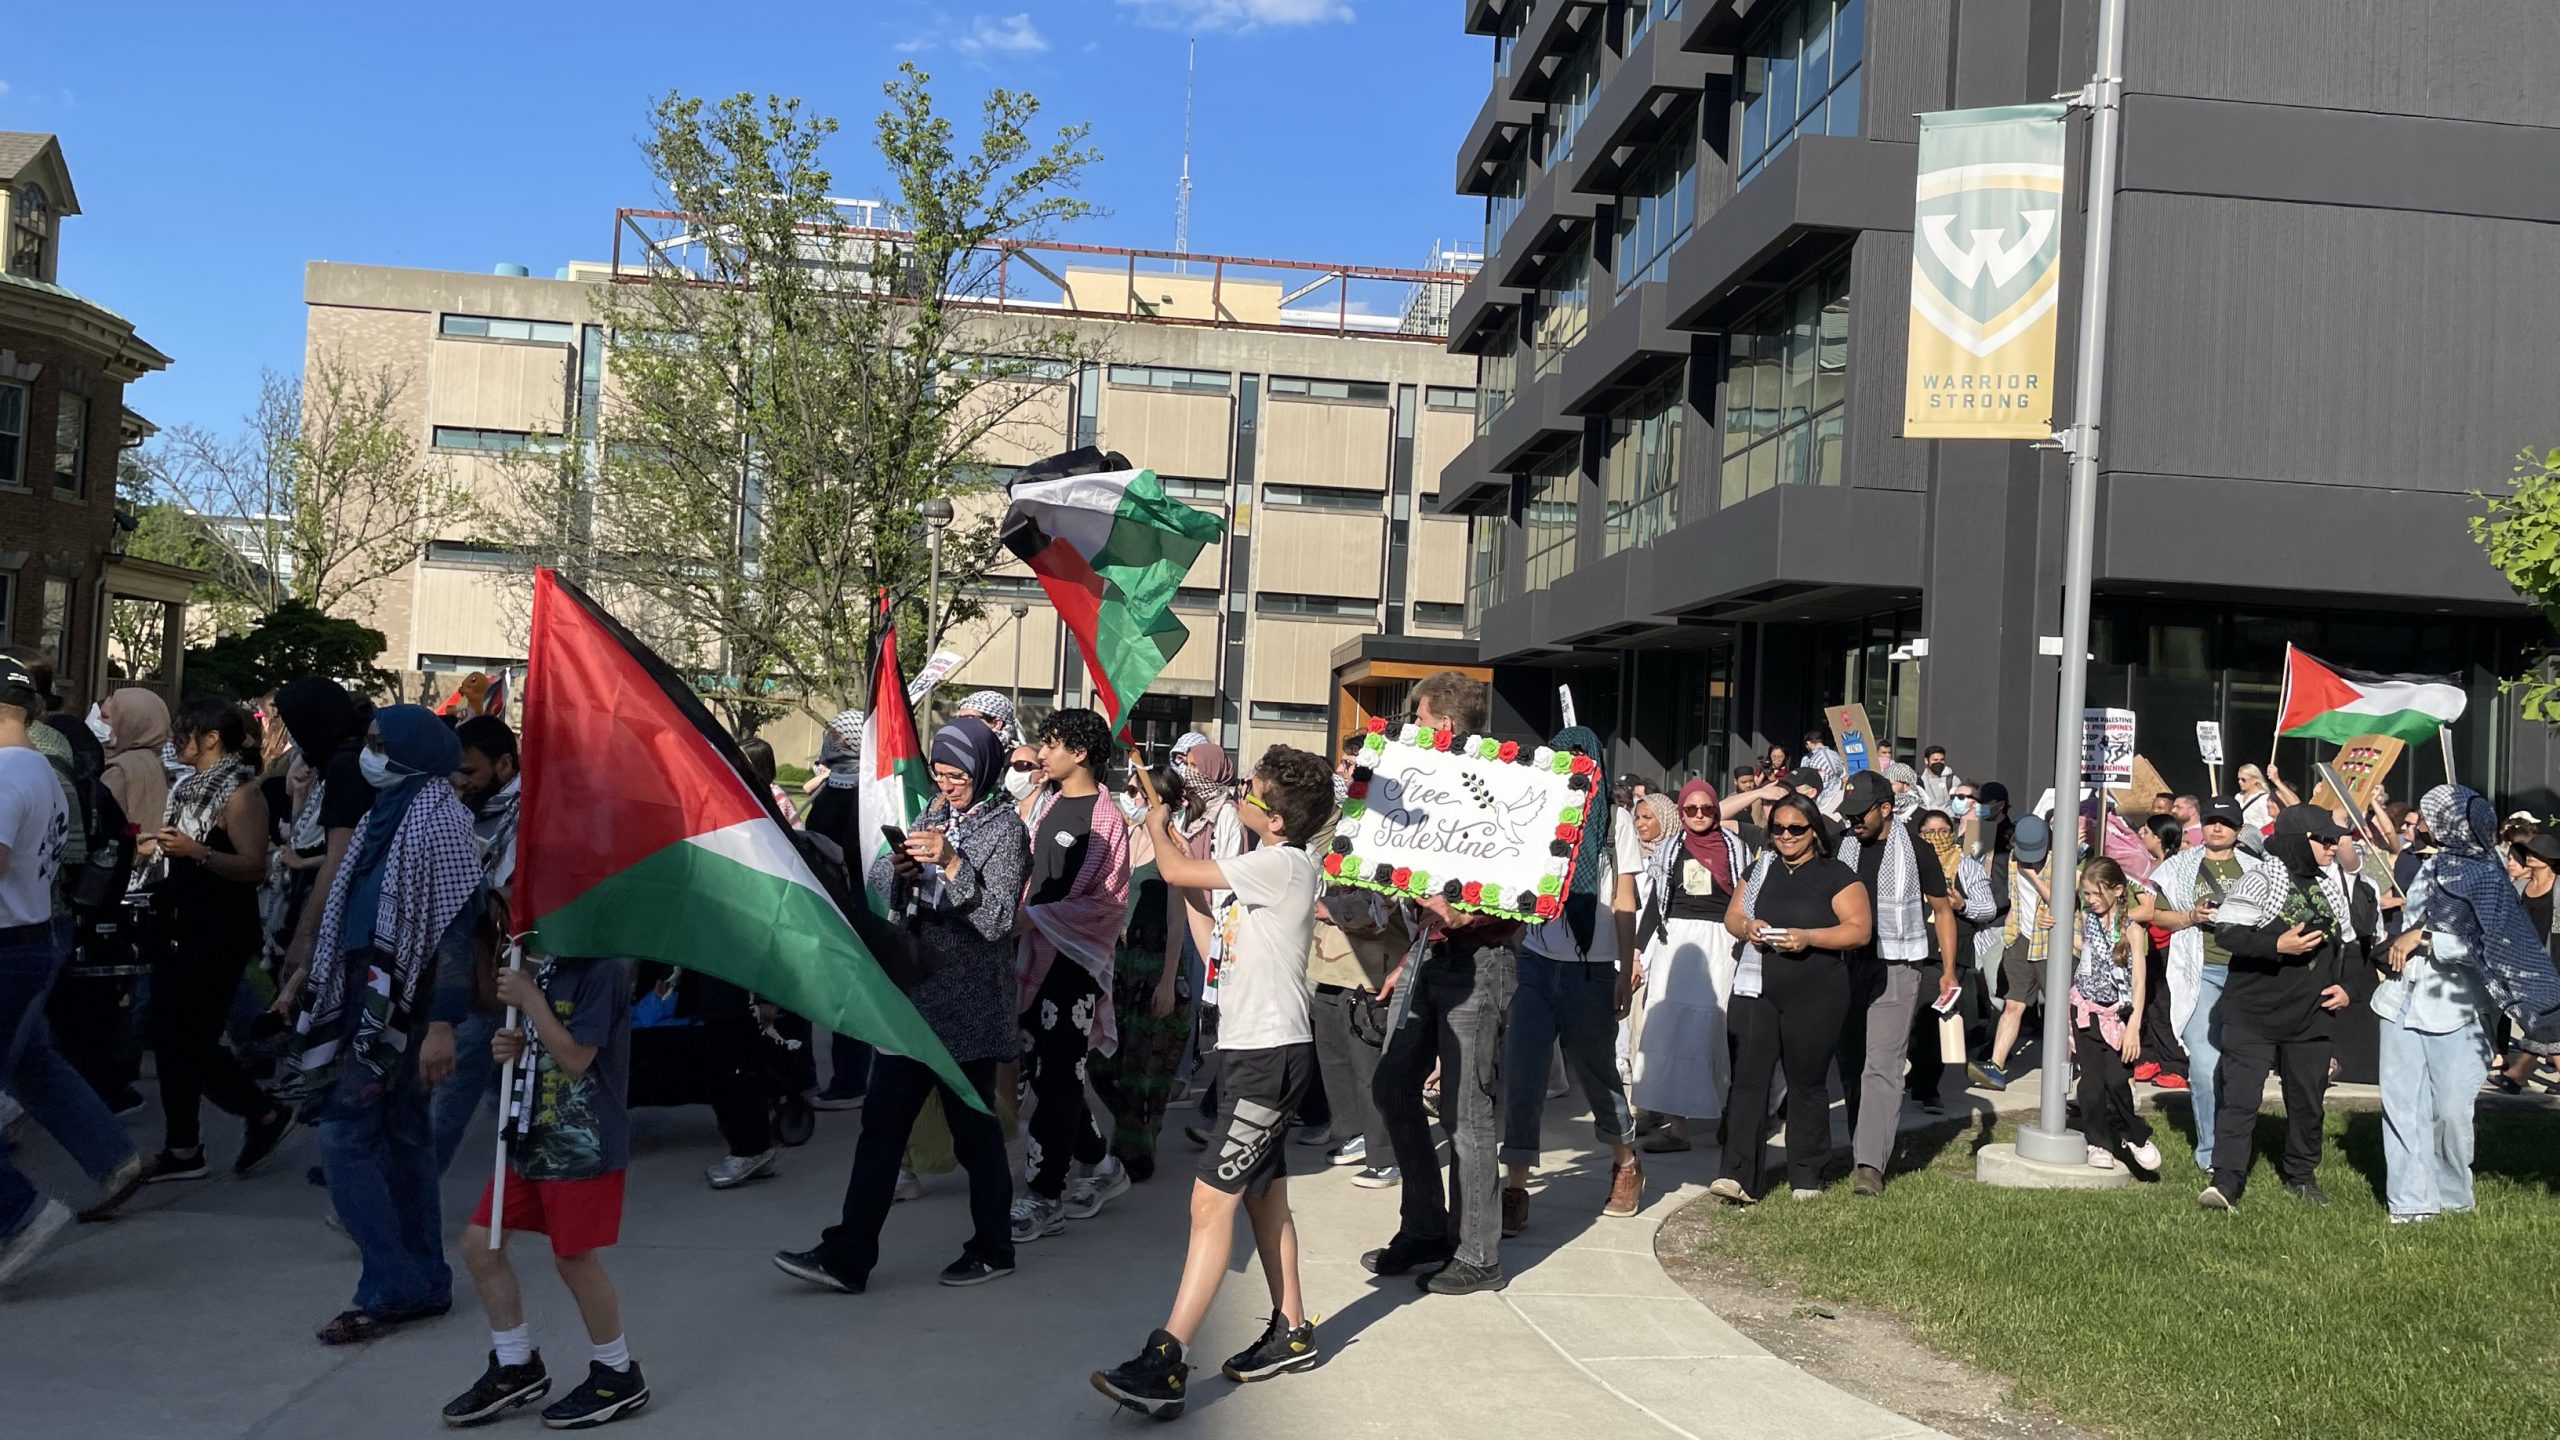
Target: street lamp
{"x": 937, "y": 518}
{"x": 1019, "y": 610}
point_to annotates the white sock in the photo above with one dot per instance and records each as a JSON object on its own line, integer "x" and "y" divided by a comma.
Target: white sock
{"x": 514, "y": 1347}
{"x": 614, "y": 1354}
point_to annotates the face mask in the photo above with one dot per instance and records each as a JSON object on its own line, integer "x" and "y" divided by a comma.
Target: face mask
{"x": 1018, "y": 783}
{"x": 99, "y": 727}
{"x": 377, "y": 768}
{"x": 1937, "y": 767}
{"x": 1131, "y": 807}
{"x": 1962, "y": 806}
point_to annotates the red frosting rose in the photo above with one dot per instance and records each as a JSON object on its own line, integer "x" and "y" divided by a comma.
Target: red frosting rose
{"x": 1582, "y": 764}
{"x": 1474, "y": 892}
{"x": 1377, "y": 724}
{"x": 1509, "y": 752}
{"x": 1402, "y": 878}
{"x": 1333, "y": 864}
{"x": 1549, "y": 907}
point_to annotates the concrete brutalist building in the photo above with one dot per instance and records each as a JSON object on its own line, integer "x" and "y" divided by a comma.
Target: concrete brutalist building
{"x": 2333, "y": 321}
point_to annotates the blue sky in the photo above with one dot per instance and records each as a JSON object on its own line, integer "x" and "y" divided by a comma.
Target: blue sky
{"x": 218, "y": 148}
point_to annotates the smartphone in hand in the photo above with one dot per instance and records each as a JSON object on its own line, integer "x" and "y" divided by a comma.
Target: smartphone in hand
{"x": 1945, "y": 1004}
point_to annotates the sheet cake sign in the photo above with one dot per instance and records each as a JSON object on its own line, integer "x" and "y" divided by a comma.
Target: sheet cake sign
{"x": 1487, "y": 825}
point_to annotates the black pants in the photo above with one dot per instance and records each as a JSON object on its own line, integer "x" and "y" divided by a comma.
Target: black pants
{"x": 193, "y": 984}
{"x": 2301, "y": 1064}
{"x": 1461, "y": 1010}
{"x": 896, "y": 1096}
{"x": 1927, "y": 1070}
{"x": 741, "y": 1093}
{"x": 1349, "y": 1068}
{"x": 2107, "y": 1115}
{"x": 2160, "y": 1043}
{"x": 1062, "y": 1129}
{"x": 1794, "y": 1026}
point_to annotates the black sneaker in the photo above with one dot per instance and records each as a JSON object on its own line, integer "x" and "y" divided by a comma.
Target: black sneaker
{"x": 259, "y": 1142}
{"x": 167, "y": 1166}
{"x": 1156, "y": 1384}
{"x": 970, "y": 1270}
{"x": 1462, "y": 1278}
{"x": 2308, "y": 1192}
{"x": 811, "y": 1265}
{"x": 607, "y": 1395}
{"x": 1283, "y": 1348}
{"x": 500, "y": 1388}
{"x": 1402, "y": 1256}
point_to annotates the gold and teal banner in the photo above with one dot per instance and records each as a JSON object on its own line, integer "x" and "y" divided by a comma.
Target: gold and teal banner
{"x": 1986, "y": 271}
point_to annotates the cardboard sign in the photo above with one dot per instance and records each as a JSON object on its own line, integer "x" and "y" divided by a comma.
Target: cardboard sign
{"x": 2209, "y": 741}
{"x": 2134, "y": 800}
{"x": 1849, "y": 732}
{"x": 2106, "y": 749}
{"x": 1486, "y": 825}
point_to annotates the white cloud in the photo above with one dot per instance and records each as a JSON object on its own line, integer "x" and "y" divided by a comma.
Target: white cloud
{"x": 4, "y": 87}
{"x": 1238, "y": 14}
{"x": 1012, "y": 35}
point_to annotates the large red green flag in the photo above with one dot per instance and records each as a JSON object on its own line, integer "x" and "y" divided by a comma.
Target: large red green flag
{"x": 640, "y": 832}
{"x": 2331, "y": 702}
{"x": 1110, "y": 549}
{"x": 894, "y": 781}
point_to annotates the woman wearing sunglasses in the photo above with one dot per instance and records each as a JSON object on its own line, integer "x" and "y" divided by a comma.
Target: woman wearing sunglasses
{"x": 1798, "y": 912}
{"x": 1680, "y": 1069}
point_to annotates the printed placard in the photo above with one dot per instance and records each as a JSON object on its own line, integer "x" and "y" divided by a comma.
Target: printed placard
{"x": 1486, "y": 825}
{"x": 2209, "y": 741}
{"x": 1856, "y": 741}
{"x": 2106, "y": 748}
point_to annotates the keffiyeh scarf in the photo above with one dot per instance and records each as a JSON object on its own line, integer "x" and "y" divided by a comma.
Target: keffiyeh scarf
{"x": 195, "y": 806}
{"x": 2486, "y": 912}
{"x": 1086, "y": 925}
{"x": 840, "y": 750}
{"x": 1902, "y": 924}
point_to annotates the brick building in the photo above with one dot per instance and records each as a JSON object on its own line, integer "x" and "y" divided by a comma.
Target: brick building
{"x": 64, "y": 364}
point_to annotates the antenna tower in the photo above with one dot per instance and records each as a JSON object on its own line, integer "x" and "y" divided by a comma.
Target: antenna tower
{"x": 1182, "y": 187}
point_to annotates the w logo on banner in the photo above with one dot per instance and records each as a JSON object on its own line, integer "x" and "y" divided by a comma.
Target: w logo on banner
{"x": 1986, "y": 273}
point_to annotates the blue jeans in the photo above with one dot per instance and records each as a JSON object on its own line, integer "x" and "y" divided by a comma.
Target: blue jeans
{"x": 1576, "y": 1002}
{"x": 35, "y": 1073}
{"x": 2203, "y": 1039}
{"x": 381, "y": 1163}
{"x": 452, "y": 1105}
{"x": 2428, "y": 1085}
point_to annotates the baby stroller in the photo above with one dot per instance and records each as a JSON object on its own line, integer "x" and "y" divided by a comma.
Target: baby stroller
{"x": 696, "y": 1040}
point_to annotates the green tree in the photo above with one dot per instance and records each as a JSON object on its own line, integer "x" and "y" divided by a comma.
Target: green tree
{"x": 327, "y": 483}
{"x": 291, "y": 641}
{"x": 786, "y": 391}
{"x": 2521, "y": 532}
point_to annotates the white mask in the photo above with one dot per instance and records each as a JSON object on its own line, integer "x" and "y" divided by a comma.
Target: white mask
{"x": 1131, "y": 807}
{"x": 377, "y": 768}
{"x": 99, "y": 727}
{"x": 1018, "y": 783}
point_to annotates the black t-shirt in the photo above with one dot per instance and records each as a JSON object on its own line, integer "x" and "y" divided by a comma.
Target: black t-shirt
{"x": 2539, "y": 908}
{"x": 1683, "y": 903}
{"x": 1057, "y": 848}
{"x": 1800, "y": 899}
{"x": 347, "y": 795}
{"x": 834, "y": 813}
{"x": 1933, "y": 876}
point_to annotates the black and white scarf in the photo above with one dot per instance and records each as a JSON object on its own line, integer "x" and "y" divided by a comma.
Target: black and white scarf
{"x": 1902, "y": 928}
{"x": 195, "y": 806}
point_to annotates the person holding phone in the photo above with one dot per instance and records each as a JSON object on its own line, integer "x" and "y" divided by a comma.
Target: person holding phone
{"x": 1799, "y": 915}
{"x": 2109, "y": 981}
{"x": 2283, "y": 924}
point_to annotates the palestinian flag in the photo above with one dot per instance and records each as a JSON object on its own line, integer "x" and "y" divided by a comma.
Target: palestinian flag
{"x": 640, "y": 833}
{"x": 1110, "y": 548}
{"x": 2329, "y": 702}
{"x": 894, "y": 782}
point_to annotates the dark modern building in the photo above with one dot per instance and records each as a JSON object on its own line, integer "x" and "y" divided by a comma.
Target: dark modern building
{"x": 1692, "y": 501}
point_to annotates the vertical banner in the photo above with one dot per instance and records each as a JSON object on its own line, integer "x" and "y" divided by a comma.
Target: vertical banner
{"x": 1986, "y": 274}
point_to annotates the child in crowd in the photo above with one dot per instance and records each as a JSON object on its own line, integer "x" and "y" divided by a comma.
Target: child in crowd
{"x": 570, "y": 1145}
{"x": 2108, "y": 985}
{"x": 1266, "y": 1059}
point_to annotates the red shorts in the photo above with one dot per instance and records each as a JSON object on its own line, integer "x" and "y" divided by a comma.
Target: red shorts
{"x": 578, "y": 1215}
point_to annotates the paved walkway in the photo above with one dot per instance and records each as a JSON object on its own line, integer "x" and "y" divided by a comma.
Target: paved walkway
{"x": 192, "y": 1316}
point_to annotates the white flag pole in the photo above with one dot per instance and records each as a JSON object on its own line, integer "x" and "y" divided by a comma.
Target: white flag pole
{"x": 508, "y": 1111}
{"x": 2444, "y": 742}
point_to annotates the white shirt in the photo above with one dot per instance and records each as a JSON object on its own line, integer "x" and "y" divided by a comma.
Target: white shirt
{"x": 1624, "y": 855}
{"x": 1262, "y": 977}
{"x": 33, "y": 824}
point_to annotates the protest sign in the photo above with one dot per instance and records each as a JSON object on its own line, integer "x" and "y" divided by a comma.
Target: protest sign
{"x": 2106, "y": 748}
{"x": 1850, "y": 733}
{"x": 2140, "y": 795}
{"x": 2209, "y": 741}
{"x": 2359, "y": 767}
{"x": 1487, "y": 825}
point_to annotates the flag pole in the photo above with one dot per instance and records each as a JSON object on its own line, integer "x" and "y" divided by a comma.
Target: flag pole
{"x": 2050, "y": 1139}
{"x": 509, "y": 1110}
{"x": 2284, "y": 701}
{"x": 2444, "y": 742}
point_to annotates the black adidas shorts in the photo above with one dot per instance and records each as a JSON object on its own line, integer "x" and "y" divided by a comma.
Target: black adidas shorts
{"x": 1258, "y": 1093}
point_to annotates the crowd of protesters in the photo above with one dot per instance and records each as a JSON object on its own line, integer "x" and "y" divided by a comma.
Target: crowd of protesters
{"x": 307, "y": 901}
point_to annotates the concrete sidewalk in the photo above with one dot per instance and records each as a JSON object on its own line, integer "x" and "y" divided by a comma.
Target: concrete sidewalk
{"x": 192, "y": 1316}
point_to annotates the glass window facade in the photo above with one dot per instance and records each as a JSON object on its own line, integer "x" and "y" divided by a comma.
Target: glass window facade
{"x": 1785, "y": 376}
{"x": 1321, "y": 497}
{"x": 1497, "y": 375}
{"x": 1303, "y": 387}
{"x": 1642, "y": 473}
{"x": 1658, "y": 205}
{"x": 1168, "y": 377}
{"x": 1643, "y": 15}
{"x": 70, "y": 443}
{"x": 464, "y": 437}
{"x": 500, "y": 327}
{"x": 1547, "y": 520}
{"x": 1799, "y": 77}
{"x": 13, "y": 433}
{"x": 1488, "y": 557}
{"x": 1330, "y": 607}
{"x": 1449, "y": 397}
{"x": 1564, "y": 306}
{"x": 1577, "y": 80}
{"x": 1502, "y": 203}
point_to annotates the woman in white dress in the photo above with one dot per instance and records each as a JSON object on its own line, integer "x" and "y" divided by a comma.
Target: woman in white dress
{"x": 1681, "y": 1068}
{"x": 1657, "y": 819}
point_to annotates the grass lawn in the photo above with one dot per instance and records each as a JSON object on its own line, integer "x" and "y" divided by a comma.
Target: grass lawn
{"x": 2135, "y": 1313}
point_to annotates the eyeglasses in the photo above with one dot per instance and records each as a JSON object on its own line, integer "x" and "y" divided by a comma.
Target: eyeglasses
{"x": 1697, "y": 809}
{"x": 1790, "y": 829}
{"x": 1025, "y": 765}
{"x": 1257, "y": 802}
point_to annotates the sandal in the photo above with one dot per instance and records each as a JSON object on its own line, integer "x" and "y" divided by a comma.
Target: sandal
{"x": 356, "y": 1327}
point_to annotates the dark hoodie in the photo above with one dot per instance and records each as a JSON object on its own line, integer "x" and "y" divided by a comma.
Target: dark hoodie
{"x": 2276, "y": 994}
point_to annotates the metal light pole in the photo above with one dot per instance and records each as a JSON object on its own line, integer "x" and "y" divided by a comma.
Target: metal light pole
{"x": 2049, "y": 1139}
{"x": 937, "y": 518}
{"x": 1019, "y": 610}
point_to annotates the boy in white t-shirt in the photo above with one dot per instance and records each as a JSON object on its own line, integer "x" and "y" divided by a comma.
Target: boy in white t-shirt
{"x": 1266, "y": 1059}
